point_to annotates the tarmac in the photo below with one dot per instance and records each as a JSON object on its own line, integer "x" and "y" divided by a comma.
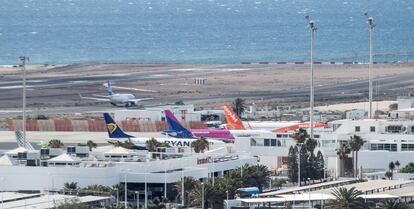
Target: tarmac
{"x": 56, "y": 90}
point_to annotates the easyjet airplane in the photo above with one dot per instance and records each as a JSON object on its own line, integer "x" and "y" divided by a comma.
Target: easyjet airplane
{"x": 234, "y": 123}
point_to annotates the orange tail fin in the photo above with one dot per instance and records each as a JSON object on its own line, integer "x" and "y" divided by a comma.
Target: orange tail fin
{"x": 233, "y": 121}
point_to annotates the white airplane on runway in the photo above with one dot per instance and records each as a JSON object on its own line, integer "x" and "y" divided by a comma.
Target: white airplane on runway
{"x": 125, "y": 100}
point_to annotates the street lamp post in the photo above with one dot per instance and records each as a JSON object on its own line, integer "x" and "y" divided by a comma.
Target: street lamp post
{"x": 165, "y": 180}
{"x": 213, "y": 170}
{"x": 227, "y": 198}
{"x": 299, "y": 150}
{"x": 126, "y": 190}
{"x": 202, "y": 195}
{"x": 117, "y": 196}
{"x": 313, "y": 30}
{"x": 309, "y": 194}
{"x": 137, "y": 193}
{"x": 371, "y": 26}
{"x": 182, "y": 188}
{"x": 24, "y": 59}
{"x": 2, "y": 192}
{"x": 146, "y": 188}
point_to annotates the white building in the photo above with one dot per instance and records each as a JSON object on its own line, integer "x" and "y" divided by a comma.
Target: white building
{"x": 159, "y": 174}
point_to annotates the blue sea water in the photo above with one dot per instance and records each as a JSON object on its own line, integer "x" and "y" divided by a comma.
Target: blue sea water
{"x": 200, "y": 31}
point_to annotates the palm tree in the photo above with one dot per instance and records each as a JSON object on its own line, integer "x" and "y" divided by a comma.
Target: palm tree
{"x": 342, "y": 153}
{"x": 91, "y": 144}
{"x": 397, "y": 163}
{"x": 189, "y": 184}
{"x": 213, "y": 195}
{"x": 355, "y": 143}
{"x": 346, "y": 199}
{"x": 55, "y": 143}
{"x": 70, "y": 186}
{"x": 391, "y": 166}
{"x": 389, "y": 175}
{"x": 392, "y": 204}
{"x": 200, "y": 145}
{"x": 239, "y": 106}
{"x": 300, "y": 136}
{"x": 152, "y": 144}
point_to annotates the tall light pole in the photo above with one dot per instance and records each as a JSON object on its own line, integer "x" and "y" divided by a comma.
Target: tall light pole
{"x": 24, "y": 59}
{"x": 312, "y": 30}
{"x": 202, "y": 195}
{"x": 126, "y": 190}
{"x": 137, "y": 193}
{"x": 146, "y": 187}
{"x": 117, "y": 196}
{"x": 165, "y": 180}
{"x": 2, "y": 192}
{"x": 371, "y": 26}
{"x": 299, "y": 150}
{"x": 182, "y": 188}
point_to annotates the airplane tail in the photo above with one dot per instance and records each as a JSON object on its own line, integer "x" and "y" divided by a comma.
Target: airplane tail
{"x": 176, "y": 128}
{"x": 114, "y": 131}
{"x": 110, "y": 93}
{"x": 233, "y": 121}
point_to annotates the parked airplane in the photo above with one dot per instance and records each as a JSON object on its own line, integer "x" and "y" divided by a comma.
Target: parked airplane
{"x": 115, "y": 99}
{"x": 234, "y": 122}
{"x": 116, "y": 134}
{"x": 179, "y": 131}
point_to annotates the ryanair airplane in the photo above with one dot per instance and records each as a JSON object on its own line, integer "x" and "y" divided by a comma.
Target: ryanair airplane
{"x": 116, "y": 134}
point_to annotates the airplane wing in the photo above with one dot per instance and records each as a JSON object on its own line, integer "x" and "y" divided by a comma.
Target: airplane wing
{"x": 139, "y": 100}
{"x": 129, "y": 88}
{"x": 101, "y": 96}
{"x": 94, "y": 98}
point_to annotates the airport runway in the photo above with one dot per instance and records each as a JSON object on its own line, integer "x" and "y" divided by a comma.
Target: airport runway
{"x": 55, "y": 91}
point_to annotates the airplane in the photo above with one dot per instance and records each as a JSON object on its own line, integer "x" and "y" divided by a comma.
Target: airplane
{"x": 126, "y": 100}
{"x": 116, "y": 134}
{"x": 176, "y": 129}
{"x": 234, "y": 122}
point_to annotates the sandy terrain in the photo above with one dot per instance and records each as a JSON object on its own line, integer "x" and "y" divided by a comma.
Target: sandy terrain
{"x": 266, "y": 84}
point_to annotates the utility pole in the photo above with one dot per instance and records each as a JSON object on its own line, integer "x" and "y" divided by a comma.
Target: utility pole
{"x": 299, "y": 151}
{"x": 313, "y": 30}
{"x": 24, "y": 59}
{"x": 202, "y": 195}
{"x": 371, "y": 26}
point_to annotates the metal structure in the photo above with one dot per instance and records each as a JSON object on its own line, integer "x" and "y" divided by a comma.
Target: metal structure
{"x": 313, "y": 31}
{"x": 24, "y": 59}
{"x": 371, "y": 26}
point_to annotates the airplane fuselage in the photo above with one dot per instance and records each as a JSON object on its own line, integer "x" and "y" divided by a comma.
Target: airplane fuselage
{"x": 122, "y": 99}
{"x": 173, "y": 142}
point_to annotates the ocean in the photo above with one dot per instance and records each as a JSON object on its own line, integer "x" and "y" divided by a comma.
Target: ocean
{"x": 202, "y": 31}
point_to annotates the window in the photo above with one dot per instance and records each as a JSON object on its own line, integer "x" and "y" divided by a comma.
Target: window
{"x": 372, "y": 128}
{"x": 317, "y": 136}
{"x": 387, "y": 147}
{"x": 357, "y": 128}
{"x": 393, "y": 147}
{"x": 394, "y": 129}
{"x": 273, "y": 142}
{"x": 266, "y": 142}
{"x": 407, "y": 147}
{"x": 279, "y": 135}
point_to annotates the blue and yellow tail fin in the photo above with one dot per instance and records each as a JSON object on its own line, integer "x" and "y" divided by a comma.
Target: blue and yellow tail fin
{"x": 114, "y": 131}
